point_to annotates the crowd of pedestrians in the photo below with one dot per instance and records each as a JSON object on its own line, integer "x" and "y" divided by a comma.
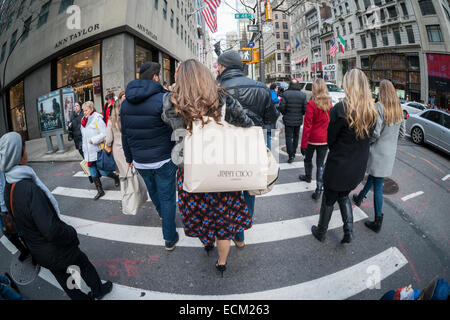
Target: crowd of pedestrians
{"x": 138, "y": 128}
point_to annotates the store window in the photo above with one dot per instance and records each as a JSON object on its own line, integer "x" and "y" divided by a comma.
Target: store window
{"x": 81, "y": 71}
{"x": 144, "y": 55}
{"x": 17, "y": 109}
{"x": 64, "y": 5}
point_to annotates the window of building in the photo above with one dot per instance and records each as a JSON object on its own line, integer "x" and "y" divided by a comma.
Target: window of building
{"x": 17, "y": 109}
{"x": 285, "y": 25}
{"x": 81, "y": 71}
{"x": 43, "y": 16}
{"x": 404, "y": 9}
{"x": 20, "y": 10}
{"x": 392, "y": 12}
{"x": 367, "y": 4}
{"x": 286, "y": 35}
{"x": 378, "y": 2}
{"x": 374, "y": 39}
{"x": 397, "y": 37}
{"x": 2, "y": 57}
{"x": 278, "y": 56}
{"x": 352, "y": 41}
{"x": 410, "y": 33}
{"x": 350, "y": 29}
{"x": 9, "y": 22}
{"x": 363, "y": 42}
{"x": 178, "y": 26}
{"x": 26, "y": 28}
{"x": 434, "y": 33}
{"x": 164, "y": 10}
{"x": 382, "y": 15}
{"x": 276, "y": 16}
{"x": 277, "y": 25}
{"x": 284, "y": 16}
{"x": 384, "y": 35}
{"x": 64, "y": 5}
{"x": 156, "y": 4}
{"x": 278, "y": 45}
{"x": 171, "y": 18}
{"x": 277, "y": 35}
{"x": 13, "y": 41}
{"x": 427, "y": 7}
{"x": 279, "y": 68}
{"x": 182, "y": 32}
{"x": 360, "y": 22}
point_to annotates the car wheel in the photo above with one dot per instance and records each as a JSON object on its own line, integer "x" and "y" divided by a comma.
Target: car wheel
{"x": 417, "y": 135}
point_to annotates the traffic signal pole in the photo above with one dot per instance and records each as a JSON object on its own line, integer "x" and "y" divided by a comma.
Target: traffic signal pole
{"x": 261, "y": 44}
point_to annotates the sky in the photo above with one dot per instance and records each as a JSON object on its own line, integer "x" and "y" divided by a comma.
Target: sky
{"x": 225, "y": 19}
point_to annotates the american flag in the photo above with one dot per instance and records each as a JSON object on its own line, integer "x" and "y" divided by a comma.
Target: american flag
{"x": 333, "y": 49}
{"x": 210, "y": 14}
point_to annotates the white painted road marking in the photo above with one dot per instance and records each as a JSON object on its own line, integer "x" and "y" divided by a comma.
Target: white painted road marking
{"x": 412, "y": 195}
{"x": 340, "y": 285}
{"x": 446, "y": 177}
{"x": 259, "y": 233}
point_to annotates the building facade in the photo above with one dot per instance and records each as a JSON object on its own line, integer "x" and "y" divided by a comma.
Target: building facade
{"x": 96, "y": 48}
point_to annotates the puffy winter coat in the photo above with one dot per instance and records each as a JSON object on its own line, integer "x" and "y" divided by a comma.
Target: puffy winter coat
{"x": 145, "y": 137}
{"x": 254, "y": 97}
{"x": 95, "y": 130}
{"x": 293, "y": 107}
{"x": 315, "y": 126}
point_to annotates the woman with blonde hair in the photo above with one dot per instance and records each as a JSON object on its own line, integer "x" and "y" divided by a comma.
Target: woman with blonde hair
{"x": 351, "y": 124}
{"x": 383, "y": 149}
{"x": 314, "y": 137}
{"x": 207, "y": 216}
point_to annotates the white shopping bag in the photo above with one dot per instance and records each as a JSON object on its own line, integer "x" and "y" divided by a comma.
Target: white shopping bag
{"x": 134, "y": 192}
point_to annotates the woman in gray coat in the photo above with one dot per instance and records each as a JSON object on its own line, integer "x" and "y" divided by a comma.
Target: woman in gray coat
{"x": 383, "y": 149}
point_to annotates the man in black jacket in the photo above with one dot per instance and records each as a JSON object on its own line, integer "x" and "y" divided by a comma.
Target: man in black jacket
{"x": 256, "y": 100}
{"x": 293, "y": 108}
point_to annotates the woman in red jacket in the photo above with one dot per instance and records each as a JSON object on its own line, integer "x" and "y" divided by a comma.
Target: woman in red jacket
{"x": 314, "y": 137}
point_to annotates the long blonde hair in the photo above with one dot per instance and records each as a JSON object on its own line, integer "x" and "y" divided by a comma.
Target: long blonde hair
{"x": 196, "y": 94}
{"x": 320, "y": 95}
{"x": 388, "y": 97}
{"x": 360, "y": 110}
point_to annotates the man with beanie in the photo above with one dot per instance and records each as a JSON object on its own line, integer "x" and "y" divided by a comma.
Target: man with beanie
{"x": 254, "y": 97}
{"x": 147, "y": 145}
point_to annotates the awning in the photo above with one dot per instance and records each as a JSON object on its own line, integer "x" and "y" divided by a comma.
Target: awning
{"x": 298, "y": 61}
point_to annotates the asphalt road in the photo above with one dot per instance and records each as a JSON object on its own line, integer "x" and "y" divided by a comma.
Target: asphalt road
{"x": 282, "y": 260}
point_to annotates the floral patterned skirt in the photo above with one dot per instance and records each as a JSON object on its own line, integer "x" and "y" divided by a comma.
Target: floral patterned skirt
{"x": 211, "y": 216}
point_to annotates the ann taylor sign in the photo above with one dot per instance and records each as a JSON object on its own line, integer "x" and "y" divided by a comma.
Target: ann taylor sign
{"x": 77, "y": 35}
{"x": 147, "y": 32}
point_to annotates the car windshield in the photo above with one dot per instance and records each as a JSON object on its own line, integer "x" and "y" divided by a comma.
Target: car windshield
{"x": 334, "y": 88}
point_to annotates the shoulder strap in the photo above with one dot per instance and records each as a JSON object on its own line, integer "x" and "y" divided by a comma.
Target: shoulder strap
{"x": 98, "y": 131}
{"x": 11, "y": 198}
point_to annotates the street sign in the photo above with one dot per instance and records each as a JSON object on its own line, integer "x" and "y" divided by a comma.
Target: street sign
{"x": 251, "y": 45}
{"x": 252, "y": 28}
{"x": 244, "y": 16}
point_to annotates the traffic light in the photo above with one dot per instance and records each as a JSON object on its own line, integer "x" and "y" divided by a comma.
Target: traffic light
{"x": 269, "y": 13}
{"x": 217, "y": 48}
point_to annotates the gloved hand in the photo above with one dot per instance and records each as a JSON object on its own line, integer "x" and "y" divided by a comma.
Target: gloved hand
{"x": 303, "y": 151}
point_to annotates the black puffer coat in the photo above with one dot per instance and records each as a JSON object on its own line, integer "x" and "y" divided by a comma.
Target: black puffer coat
{"x": 76, "y": 125}
{"x": 293, "y": 107}
{"x": 254, "y": 97}
{"x": 347, "y": 161}
{"x": 52, "y": 243}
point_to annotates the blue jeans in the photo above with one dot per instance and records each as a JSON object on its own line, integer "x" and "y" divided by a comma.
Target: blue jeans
{"x": 377, "y": 184}
{"x": 269, "y": 138}
{"x": 5, "y": 292}
{"x": 161, "y": 186}
{"x": 250, "y": 201}
{"x": 96, "y": 173}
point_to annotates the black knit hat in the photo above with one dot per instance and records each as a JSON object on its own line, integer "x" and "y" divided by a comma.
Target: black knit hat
{"x": 231, "y": 59}
{"x": 145, "y": 67}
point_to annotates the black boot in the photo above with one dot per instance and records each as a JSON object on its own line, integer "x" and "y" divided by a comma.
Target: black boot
{"x": 347, "y": 218}
{"x": 90, "y": 179}
{"x": 319, "y": 176}
{"x": 24, "y": 252}
{"x": 115, "y": 177}
{"x": 375, "y": 225}
{"x": 358, "y": 199}
{"x": 324, "y": 219}
{"x": 308, "y": 173}
{"x": 98, "y": 185}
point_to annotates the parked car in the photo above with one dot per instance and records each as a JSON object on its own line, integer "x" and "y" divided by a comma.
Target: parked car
{"x": 430, "y": 126}
{"x": 412, "y": 108}
{"x": 336, "y": 93}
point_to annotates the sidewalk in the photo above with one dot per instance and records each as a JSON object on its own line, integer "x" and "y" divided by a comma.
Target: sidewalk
{"x": 37, "y": 149}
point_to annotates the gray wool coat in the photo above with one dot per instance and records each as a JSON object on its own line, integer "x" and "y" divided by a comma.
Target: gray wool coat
{"x": 383, "y": 147}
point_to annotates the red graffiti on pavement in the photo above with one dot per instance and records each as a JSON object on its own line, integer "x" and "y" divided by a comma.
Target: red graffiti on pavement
{"x": 124, "y": 268}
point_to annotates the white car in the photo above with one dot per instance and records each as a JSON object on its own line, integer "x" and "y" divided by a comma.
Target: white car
{"x": 412, "y": 108}
{"x": 336, "y": 93}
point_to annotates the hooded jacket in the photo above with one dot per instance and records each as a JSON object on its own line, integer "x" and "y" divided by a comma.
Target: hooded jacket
{"x": 145, "y": 137}
{"x": 254, "y": 97}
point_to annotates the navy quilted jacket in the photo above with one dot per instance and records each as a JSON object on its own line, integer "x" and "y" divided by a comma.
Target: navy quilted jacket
{"x": 145, "y": 137}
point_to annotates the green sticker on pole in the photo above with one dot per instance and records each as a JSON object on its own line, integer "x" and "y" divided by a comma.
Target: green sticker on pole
{"x": 244, "y": 16}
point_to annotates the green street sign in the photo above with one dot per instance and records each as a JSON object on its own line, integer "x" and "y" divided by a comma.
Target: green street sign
{"x": 244, "y": 16}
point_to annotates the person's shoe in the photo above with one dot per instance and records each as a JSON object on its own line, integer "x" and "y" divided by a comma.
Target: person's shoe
{"x": 345, "y": 206}
{"x": 116, "y": 179}
{"x": 221, "y": 267}
{"x": 24, "y": 252}
{"x": 291, "y": 159}
{"x": 308, "y": 173}
{"x": 98, "y": 185}
{"x": 106, "y": 288}
{"x": 90, "y": 179}
{"x": 208, "y": 249}
{"x": 170, "y": 245}
{"x": 358, "y": 199}
{"x": 320, "y": 231}
{"x": 12, "y": 283}
{"x": 239, "y": 244}
{"x": 375, "y": 226}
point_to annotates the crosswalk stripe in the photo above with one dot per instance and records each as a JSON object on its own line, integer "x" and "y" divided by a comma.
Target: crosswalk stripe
{"x": 279, "y": 189}
{"x": 259, "y": 233}
{"x": 283, "y": 166}
{"x": 340, "y": 285}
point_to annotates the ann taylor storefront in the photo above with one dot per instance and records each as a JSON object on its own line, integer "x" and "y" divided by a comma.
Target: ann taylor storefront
{"x": 91, "y": 71}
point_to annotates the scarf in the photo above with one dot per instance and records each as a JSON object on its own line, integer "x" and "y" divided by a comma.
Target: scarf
{"x": 85, "y": 120}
